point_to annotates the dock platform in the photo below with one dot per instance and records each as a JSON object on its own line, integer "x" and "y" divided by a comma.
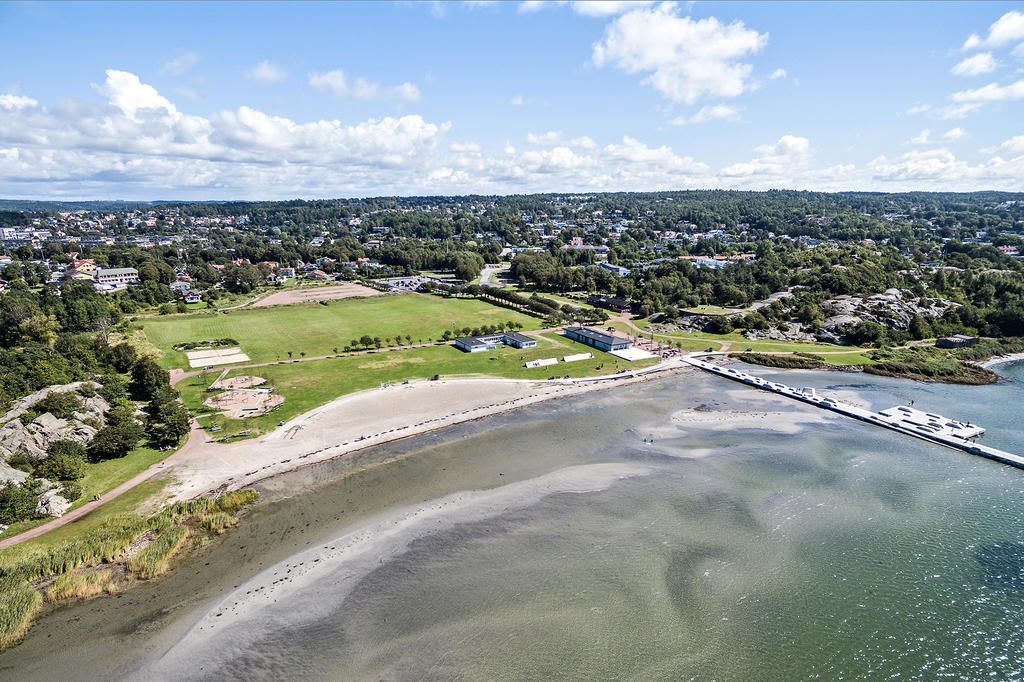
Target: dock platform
{"x": 904, "y": 419}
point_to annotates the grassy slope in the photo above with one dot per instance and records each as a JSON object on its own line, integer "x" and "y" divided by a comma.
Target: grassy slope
{"x": 306, "y": 385}
{"x": 127, "y": 502}
{"x": 99, "y": 478}
{"x": 265, "y": 333}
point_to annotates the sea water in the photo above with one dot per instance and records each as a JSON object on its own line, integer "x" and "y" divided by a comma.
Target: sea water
{"x": 689, "y": 528}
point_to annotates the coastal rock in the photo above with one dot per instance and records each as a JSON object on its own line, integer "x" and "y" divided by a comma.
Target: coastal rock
{"x": 11, "y": 475}
{"x": 51, "y": 503}
{"x": 32, "y": 439}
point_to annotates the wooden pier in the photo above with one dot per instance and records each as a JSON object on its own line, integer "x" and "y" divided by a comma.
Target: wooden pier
{"x": 924, "y": 425}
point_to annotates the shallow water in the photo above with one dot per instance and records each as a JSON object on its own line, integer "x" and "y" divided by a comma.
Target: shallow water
{"x": 559, "y": 541}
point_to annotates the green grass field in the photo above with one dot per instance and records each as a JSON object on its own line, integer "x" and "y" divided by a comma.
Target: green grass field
{"x": 712, "y": 310}
{"x": 101, "y": 477}
{"x": 268, "y": 334}
{"x": 130, "y": 501}
{"x": 306, "y": 385}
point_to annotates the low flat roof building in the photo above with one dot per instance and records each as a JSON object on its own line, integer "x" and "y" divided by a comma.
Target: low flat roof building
{"x": 117, "y": 275}
{"x": 596, "y": 338}
{"x": 610, "y": 303}
{"x": 475, "y": 344}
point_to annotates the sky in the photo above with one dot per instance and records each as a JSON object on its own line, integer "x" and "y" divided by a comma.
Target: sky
{"x": 207, "y": 101}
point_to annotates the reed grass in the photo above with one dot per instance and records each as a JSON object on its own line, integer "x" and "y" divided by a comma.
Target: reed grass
{"x": 236, "y": 499}
{"x": 19, "y": 604}
{"x": 154, "y": 559}
{"x": 80, "y": 585}
{"x": 217, "y": 521}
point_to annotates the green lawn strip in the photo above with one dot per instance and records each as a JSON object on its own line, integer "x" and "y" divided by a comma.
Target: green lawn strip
{"x": 712, "y": 310}
{"x": 268, "y": 334}
{"x": 99, "y": 478}
{"x": 848, "y": 359}
{"x": 738, "y": 340}
{"x": 306, "y": 385}
{"x": 128, "y": 501}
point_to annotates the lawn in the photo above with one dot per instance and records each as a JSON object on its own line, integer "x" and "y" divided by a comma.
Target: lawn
{"x": 306, "y": 385}
{"x": 739, "y": 342}
{"x": 101, "y": 477}
{"x": 129, "y": 501}
{"x": 268, "y": 334}
{"x": 712, "y": 310}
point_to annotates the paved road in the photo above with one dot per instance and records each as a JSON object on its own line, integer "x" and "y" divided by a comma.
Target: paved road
{"x": 488, "y": 273}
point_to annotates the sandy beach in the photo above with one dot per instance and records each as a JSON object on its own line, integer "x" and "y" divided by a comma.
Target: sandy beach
{"x": 363, "y": 420}
{"x": 1001, "y": 359}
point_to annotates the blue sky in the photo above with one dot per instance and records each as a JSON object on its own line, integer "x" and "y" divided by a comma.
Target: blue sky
{"x": 279, "y": 100}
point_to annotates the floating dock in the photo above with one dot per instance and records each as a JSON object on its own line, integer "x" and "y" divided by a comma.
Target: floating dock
{"x": 924, "y": 425}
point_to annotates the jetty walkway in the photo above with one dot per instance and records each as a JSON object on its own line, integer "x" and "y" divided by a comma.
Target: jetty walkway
{"x": 924, "y": 425}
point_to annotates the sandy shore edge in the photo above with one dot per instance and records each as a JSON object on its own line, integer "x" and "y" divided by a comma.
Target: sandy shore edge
{"x": 366, "y": 419}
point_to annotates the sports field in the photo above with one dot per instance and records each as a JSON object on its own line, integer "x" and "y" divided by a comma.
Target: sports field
{"x": 305, "y": 385}
{"x": 268, "y": 334}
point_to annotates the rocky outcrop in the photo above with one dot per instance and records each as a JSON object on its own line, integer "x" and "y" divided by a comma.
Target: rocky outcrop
{"x": 33, "y": 438}
{"x": 891, "y": 309}
{"x": 22, "y": 405}
{"x": 51, "y": 503}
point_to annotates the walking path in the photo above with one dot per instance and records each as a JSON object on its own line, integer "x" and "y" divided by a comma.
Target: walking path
{"x": 197, "y": 438}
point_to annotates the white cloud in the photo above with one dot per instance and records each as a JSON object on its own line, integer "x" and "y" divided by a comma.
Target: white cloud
{"x": 958, "y": 111}
{"x": 1008, "y": 28}
{"x": 1018, "y": 51}
{"x": 408, "y": 91}
{"x": 136, "y": 143}
{"x": 336, "y": 83}
{"x": 181, "y": 64}
{"x": 954, "y": 134}
{"x": 550, "y": 137}
{"x": 776, "y": 165}
{"x": 919, "y": 109}
{"x": 980, "y": 63}
{"x": 777, "y": 73}
{"x": 267, "y": 72}
{"x": 993, "y": 92}
{"x": 133, "y": 97}
{"x": 685, "y": 59}
{"x": 12, "y": 102}
{"x": 1014, "y": 144}
{"x": 583, "y": 142}
{"x": 516, "y": 101}
{"x": 607, "y": 8}
{"x": 922, "y": 137}
{"x": 589, "y": 8}
{"x": 710, "y": 112}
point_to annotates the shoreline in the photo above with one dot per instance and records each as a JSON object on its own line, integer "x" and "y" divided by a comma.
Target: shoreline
{"x": 369, "y": 418}
{"x": 1000, "y": 359}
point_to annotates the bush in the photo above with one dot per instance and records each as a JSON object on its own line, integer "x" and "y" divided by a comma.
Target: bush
{"x": 22, "y": 462}
{"x": 115, "y": 441}
{"x": 17, "y": 503}
{"x": 63, "y": 466}
{"x": 71, "y": 491}
{"x": 236, "y": 499}
{"x": 60, "y": 405}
